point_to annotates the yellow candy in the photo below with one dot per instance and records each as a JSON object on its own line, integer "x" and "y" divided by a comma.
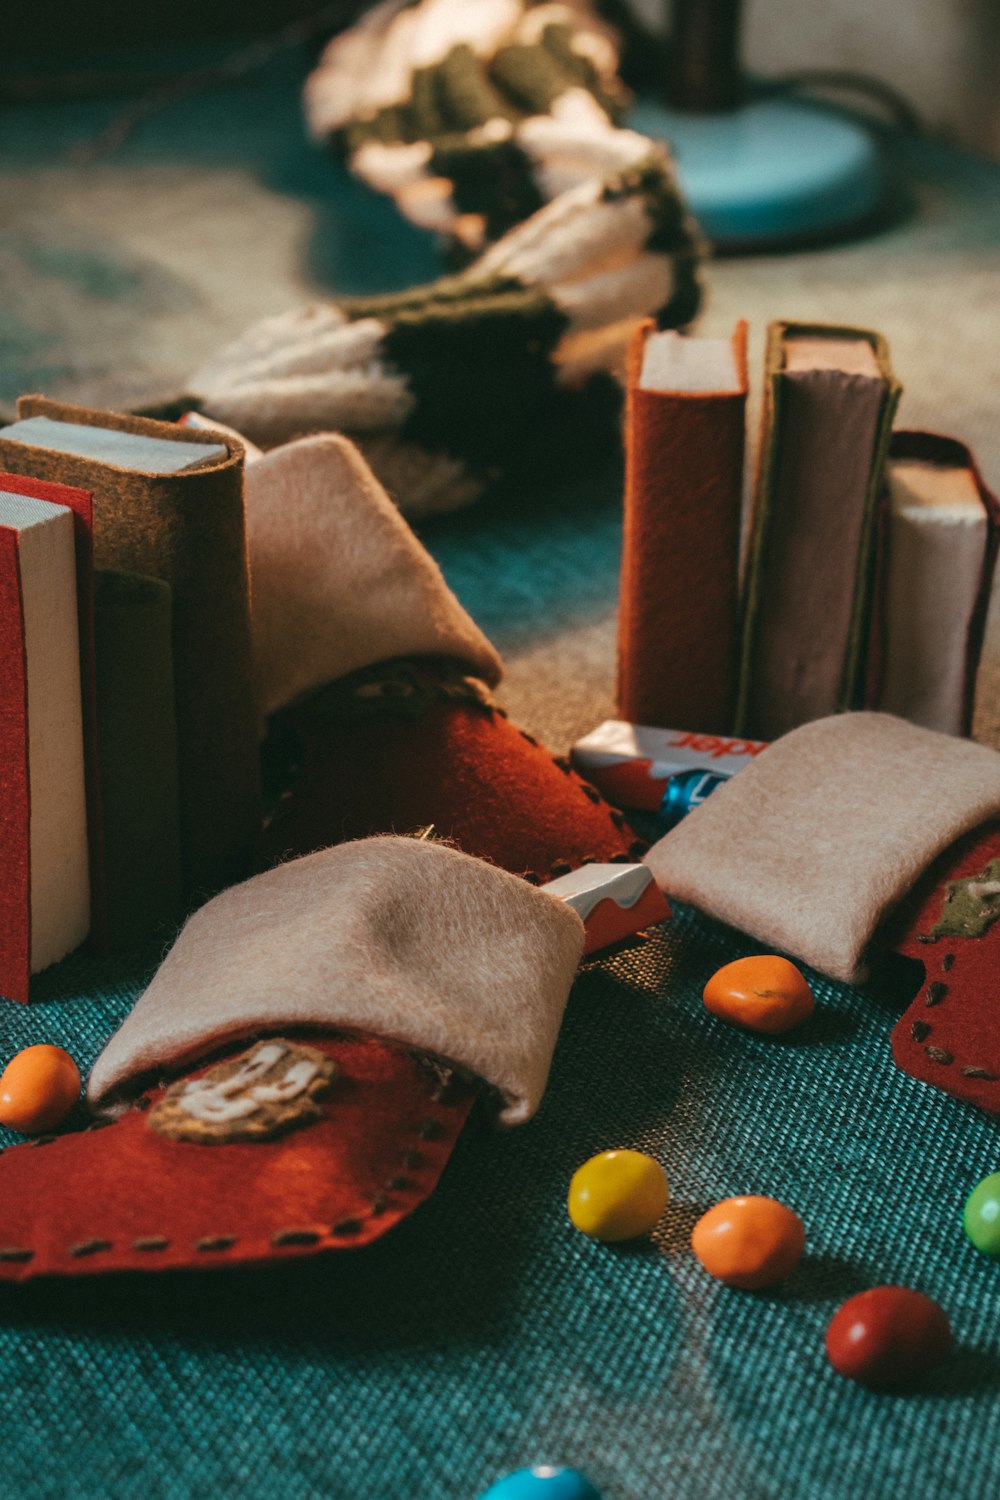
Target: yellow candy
{"x": 617, "y": 1195}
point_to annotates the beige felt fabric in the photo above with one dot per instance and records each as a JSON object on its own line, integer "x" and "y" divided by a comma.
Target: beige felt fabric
{"x": 339, "y": 581}
{"x": 813, "y": 844}
{"x": 408, "y": 940}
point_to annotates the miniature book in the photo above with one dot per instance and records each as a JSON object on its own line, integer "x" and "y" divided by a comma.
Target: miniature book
{"x": 180, "y": 520}
{"x": 829, "y": 403}
{"x": 941, "y": 532}
{"x": 45, "y": 883}
{"x": 137, "y": 738}
{"x": 678, "y": 616}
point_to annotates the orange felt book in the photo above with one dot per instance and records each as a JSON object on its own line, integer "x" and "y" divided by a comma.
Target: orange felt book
{"x": 678, "y": 613}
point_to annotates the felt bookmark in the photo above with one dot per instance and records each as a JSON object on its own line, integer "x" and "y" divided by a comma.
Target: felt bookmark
{"x": 186, "y": 529}
{"x": 137, "y": 738}
{"x": 298, "y": 1071}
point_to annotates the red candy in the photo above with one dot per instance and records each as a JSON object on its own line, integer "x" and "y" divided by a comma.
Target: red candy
{"x": 887, "y": 1336}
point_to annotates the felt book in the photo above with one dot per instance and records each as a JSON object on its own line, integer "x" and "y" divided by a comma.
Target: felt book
{"x": 828, "y": 406}
{"x": 44, "y": 875}
{"x": 941, "y": 529}
{"x": 168, "y": 505}
{"x": 678, "y": 615}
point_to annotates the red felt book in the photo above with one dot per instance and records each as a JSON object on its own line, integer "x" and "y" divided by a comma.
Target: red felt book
{"x": 678, "y": 616}
{"x": 45, "y": 897}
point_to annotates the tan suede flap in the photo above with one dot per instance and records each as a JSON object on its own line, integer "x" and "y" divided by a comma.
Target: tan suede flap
{"x": 339, "y": 580}
{"x": 407, "y": 940}
{"x": 816, "y": 841}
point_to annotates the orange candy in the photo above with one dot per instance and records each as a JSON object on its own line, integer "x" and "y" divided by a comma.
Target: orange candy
{"x": 762, "y": 993}
{"x": 749, "y": 1242}
{"x": 38, "y": 1088}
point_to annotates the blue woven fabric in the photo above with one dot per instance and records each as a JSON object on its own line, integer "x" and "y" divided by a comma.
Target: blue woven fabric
{"x": 486, "y": 1333}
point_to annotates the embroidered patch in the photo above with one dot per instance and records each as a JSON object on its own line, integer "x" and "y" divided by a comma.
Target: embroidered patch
{"x": 971, "y": 905}
{"x": 275, "y": 1087}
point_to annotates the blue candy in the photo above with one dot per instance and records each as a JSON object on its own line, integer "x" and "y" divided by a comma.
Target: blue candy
{"x": 542, "y": 1483}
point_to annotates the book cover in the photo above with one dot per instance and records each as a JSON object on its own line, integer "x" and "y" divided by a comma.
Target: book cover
{"x": 187, "y": 529}
{"x": 678, "y": 612}
{"x": 830, "y": 396}
{"x": 941, "y": 528}
{"x": 44, "y": 854}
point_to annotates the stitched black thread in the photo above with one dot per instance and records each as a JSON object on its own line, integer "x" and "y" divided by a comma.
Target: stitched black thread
{"x": 15, "y": 1254}
{"x": 939, "y": 1055}
{"x": 920, "y": 1031}
{"x": 151, "y": 1242}
{"x": 347, "y": 1226}
{"x": 935, "y": 993}
{"x": 974, "y": 1072}
{"x": 89, "y": 1247}
{"x": 296, "y": 1237}
{"x": 216, "y": 1242}
{"x": 947, "y": 961}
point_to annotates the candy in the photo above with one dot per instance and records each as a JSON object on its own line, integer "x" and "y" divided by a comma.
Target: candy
{"x": 982, "y": 1215}
{"x": 749, "y": 1242}
{"x": 38, "y": 1088}
{"x": 764, "y": 993}
{"x": 887, "y": 1336}
{"x": 542, "y": 1483}
{"x": 617, "y": 1195}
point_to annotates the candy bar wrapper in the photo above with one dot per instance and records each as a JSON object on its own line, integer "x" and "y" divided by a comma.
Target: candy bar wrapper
{"x": 630, "y": 764}
{"x": 298, "y": 1071}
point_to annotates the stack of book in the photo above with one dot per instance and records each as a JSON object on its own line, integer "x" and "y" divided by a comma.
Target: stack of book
{"x": 870, "y": 565}
{"x": 129, "y": 775}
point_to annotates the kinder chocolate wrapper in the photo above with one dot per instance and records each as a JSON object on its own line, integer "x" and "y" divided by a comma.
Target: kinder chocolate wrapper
{"x": 631, "y": 764}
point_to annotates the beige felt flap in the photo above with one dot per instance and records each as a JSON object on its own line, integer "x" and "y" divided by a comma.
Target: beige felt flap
{"x": 339, "y": 581}
{"x": 408, "y": 940}
{"x": 818, "y": 839}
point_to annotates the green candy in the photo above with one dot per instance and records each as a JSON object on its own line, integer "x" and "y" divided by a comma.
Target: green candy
{"x": 982, "y": 1215}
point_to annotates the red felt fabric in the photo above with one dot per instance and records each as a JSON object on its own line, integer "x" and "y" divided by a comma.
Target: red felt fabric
{"x": 488, "y": 787}
{"x": 376, "y": 1154}
{"x": 81, "y": 503}
{"x": 678, "y": 616}
{"x": 15, "y": 810}
{"x": 950, "y": 1034}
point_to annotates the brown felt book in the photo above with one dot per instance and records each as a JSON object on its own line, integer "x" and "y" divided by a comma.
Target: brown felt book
{"x": 678, "y": 613}
{"x": 941, "y": 529}
{"x": 168, "y": 504}
{"x": 829, "y": 401}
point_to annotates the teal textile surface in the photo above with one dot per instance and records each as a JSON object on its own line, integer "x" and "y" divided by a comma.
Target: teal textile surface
{"x": 486, "y": 1333}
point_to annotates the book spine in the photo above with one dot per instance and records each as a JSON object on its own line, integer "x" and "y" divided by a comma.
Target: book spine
{"x": 678, "y": 613}
{"x": 137, "y": 738}
{"x": 15, "y": 806}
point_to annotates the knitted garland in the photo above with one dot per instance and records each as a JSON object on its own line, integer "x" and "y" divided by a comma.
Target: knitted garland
{"x": 442, "y": 384}
{"x": 472, "y": 116}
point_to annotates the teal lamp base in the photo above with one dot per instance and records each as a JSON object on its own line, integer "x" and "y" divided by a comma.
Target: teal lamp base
{"x": 772, "y": 172}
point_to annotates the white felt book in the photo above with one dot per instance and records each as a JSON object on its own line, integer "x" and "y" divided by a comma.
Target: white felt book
{"x": 938, "y": 531}
{"x": 43, "y": 780}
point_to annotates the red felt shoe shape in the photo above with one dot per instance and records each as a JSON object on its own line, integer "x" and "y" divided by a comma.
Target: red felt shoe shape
{"x": 950, "y": 1035}
{"x": 409, "y": 744}
{"x": 127, "y": 1197}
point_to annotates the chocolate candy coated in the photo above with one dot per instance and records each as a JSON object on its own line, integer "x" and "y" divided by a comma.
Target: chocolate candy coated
{"x": 982, "y": 1215}
{"x": 887, "y": 1336}
{"x": 617, "y": 1195}
{"x": 38, "y": 1088}
{"x": 749, "y": 1242}
{"x": 764, "y": 993}
{"x": 542, "y": 1483}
